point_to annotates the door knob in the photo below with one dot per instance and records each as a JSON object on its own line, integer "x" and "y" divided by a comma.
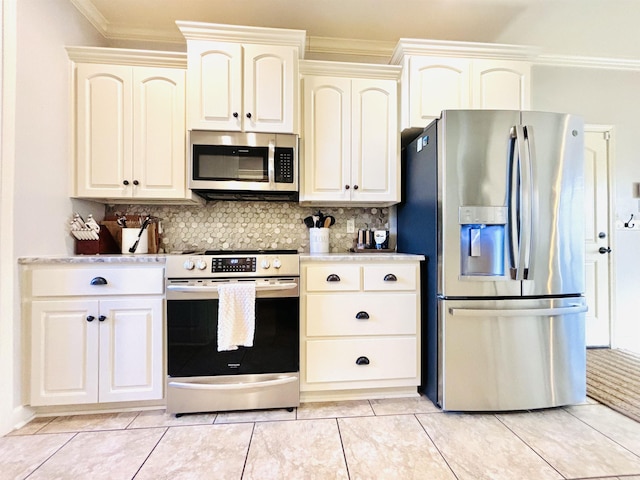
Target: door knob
{"x": 604, "y": 250}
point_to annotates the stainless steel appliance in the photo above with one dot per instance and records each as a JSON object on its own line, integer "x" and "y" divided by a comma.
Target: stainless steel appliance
{"x": 266, "y": 375}
{"x": 494, "y": 200}
{"x": 243, "y": 166}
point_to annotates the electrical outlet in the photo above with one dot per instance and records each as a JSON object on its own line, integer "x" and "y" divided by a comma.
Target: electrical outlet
{"x": 351, "y": 225}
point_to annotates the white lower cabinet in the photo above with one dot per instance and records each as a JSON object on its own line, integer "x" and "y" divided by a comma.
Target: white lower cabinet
{"x": 103, "y": 345}
{"x": 359, "y": 329}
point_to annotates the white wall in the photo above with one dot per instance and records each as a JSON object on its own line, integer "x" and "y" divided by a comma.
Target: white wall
{"x": 39, "y": 202}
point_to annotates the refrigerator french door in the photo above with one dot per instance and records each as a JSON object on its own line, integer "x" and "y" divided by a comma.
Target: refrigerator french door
{"x": 494, "y": 200}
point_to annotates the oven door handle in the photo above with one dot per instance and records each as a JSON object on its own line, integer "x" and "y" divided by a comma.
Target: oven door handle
{"x": 233, "y": 386}
{"x": 214, "y": 288}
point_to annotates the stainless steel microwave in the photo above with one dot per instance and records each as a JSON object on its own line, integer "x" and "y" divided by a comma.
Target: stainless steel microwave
{"x": 243, "y": 166}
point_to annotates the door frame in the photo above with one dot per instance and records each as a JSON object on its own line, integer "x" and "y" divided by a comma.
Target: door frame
{"x": 610, "y": 130}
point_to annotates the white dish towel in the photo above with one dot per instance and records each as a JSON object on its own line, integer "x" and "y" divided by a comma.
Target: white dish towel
{"x": 236, "y": 315}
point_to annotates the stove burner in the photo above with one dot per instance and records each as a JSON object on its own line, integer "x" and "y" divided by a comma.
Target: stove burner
{"x": 251, "y": 252}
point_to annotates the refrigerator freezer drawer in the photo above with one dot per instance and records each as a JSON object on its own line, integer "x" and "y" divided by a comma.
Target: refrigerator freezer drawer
{"x": 499, "y": 355}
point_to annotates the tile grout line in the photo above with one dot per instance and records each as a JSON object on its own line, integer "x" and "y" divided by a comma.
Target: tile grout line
{"x": 344, "y": 454}
{"x": 150, "y": 452}
{"x": 424, "y": 429}
{"x": 527, "y": 445}
{"x": 75, "y": 434}
{"x": 246, "y": 457}
{"x": 602, "y": 433}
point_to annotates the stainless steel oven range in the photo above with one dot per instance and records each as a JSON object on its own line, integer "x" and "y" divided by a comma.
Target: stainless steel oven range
{"x": 265, "y": 375}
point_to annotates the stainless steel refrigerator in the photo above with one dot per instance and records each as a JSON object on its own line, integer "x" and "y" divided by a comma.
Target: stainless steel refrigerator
{"x": 494, "y": 200}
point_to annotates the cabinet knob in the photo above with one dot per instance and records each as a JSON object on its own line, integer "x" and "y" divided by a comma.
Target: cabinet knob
{"x": 347, "y": 187}
{"x": 362, "y": 361}
{"x": 249, "y": 115}
{"x": 604, "y": 250}
{"x": 235, "y": 114}
{"x": 126, "y": 182}
{"x": 90, "y": 318}
{"x": 362, "y": 316}
{"x": 333, "y": 278}
{"x": 98, "y": 281}
{"x": 355, "y": 187}
{"x": 136, "y": 182}
{"x": 102, "y": 318}
{"x": 390, "y": 277}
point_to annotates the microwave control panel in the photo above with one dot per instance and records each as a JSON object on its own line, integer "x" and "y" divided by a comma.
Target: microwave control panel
{"x": 283, "y": 164}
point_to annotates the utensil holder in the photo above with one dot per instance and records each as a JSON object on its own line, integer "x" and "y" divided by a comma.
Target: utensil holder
{"x": 319, "y": 240}
{"x": 130, "y": 236}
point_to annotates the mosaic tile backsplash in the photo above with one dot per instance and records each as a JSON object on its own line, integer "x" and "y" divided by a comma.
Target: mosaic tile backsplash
{"x": 252, "y": 225}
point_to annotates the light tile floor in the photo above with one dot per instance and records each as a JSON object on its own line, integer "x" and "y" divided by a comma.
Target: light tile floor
{"x": 376, "y": 439}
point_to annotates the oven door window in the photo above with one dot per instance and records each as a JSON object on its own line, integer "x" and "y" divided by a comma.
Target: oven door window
{"x": 193, "y": 346}
{"x": 244, "y": 164}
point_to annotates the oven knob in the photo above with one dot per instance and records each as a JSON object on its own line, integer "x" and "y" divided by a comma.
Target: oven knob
{"x": 188, "y": 265}
{"x": 265, "y": 264}
{"x": 277, "y": 263}
{"x": 201, "y": 264}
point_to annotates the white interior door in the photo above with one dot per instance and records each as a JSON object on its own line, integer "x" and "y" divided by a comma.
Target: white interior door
{"x": 597, "y": 236}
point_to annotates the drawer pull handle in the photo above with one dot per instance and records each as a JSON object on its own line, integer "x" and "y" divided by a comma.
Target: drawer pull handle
{"x": 362, "y": 316}
{"x": 102, "y": 318}
{"x": 390, "y": 277}
{"x": 98, "y": 281}
{"x": 362, "y": 361}
{"x": 90, "y": 318}
{"x": 333, "y": 278}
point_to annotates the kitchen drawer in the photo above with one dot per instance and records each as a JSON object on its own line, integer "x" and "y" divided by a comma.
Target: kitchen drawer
{"x": 335, "y": 314}
{"x": 346, "y": 278}
{"x": 406, "y": 277}
{"x": 76, "y": 281}
{"x": 335, "y": 360}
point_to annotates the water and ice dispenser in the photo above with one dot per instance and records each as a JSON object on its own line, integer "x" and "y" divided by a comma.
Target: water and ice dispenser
{"x": 482, "y": 231}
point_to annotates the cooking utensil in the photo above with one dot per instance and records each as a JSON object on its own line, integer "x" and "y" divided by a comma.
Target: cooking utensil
{"x": 142, "y": 229}
{"x": 309, "y": 222}
{"x": 327, "y": 222}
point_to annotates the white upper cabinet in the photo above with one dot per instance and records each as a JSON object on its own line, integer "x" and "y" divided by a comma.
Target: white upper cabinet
{"x": 130, "y": 126}
{"x": 242, "y": 78}
{"x": 501, "y": 85}
{"x": 458, "y": 75}
{"x": 350, "y": 138}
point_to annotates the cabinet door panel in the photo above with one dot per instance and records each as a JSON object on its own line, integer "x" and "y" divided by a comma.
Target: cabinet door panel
{"x": 269, "y": 88}
{"x": 390, "y": 277}
{"x": 131, "y": 350}
{"x": 64, "y": 345}
{"x": 501, "y": 85}
{"x": 104, "y": 130}
{"x": 374, "y": 149}
{"x": 215, "y": 85}
{"x": 159, "y": 132}
{"x": 437, "y": 84}
{"x": 327, "y": 139}
{"x": 332, "y": 278}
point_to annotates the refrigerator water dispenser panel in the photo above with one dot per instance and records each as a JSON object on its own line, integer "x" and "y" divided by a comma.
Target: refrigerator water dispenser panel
{"x": 482, "y": 231}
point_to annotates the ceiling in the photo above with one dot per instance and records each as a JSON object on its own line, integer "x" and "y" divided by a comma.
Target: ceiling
{"x": 371, "y": 20}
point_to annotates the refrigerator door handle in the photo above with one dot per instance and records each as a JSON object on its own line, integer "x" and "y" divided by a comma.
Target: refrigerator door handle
{"x": 520, "y": 206}
{"x": 520, "y": 312}
{"x": 526, "y": 171}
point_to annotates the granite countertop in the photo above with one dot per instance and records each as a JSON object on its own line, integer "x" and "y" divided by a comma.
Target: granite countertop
{"x": 362, "y": 257}
{"x": 88, "y": 259}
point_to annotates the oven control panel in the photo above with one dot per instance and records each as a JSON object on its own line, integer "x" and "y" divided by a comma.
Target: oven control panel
{"x": 233, "y": 265}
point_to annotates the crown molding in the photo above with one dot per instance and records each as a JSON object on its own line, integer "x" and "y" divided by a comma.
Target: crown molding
{"x": 445, "y": 48}
{"x": 91, "y": 13}
{"x": 587, "y": 62}
{"x": 349, "y": 69}
{"x": 349, "y": 46}
{"x": 126, "y": 56}
{"x": 244, "y": 34}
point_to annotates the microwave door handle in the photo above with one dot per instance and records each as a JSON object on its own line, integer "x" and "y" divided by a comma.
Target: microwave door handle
{"x": 271, "y": 164}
